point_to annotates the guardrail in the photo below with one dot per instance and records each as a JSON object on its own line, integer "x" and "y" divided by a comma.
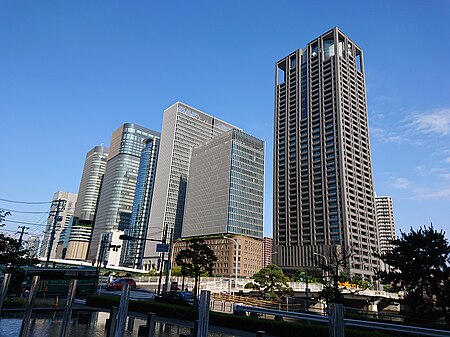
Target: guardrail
{"x": 408, "y": 329}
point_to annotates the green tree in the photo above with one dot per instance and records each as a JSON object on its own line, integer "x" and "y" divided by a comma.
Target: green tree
{"x": 419, "y": 265}
{"x": 271, "y": 281}
{"x": 13, "y": 255}
{"x": 306, "y": 276}
{"x": 195, "y": 261}
{"x": 3, "y": 215}
{"x": 176, "y": 271}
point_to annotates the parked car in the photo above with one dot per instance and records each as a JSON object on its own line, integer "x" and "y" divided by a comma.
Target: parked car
{"x": 117, "y": 284}
{"x": 185, "y": 298}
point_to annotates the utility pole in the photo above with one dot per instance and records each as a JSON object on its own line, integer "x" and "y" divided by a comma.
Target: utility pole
{"x": 57, "y": 207}
{"x": 22, "y": 232}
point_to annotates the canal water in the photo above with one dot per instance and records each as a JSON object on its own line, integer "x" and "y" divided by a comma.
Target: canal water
{"x": 46, "y": 327}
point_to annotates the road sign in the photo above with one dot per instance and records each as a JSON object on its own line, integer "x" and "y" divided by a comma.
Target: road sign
{"x": 162, "y": 248}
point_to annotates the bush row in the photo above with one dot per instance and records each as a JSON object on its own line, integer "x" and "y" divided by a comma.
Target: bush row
{"x": 246, "y": 323}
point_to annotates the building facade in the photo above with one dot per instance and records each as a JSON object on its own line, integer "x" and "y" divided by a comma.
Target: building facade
{"x": 119, "y": 183}
{"x": 32, "y": 244}
{"x": 91, "y": 183}
{"x": 142, "y": 204}
{"x": 267, "y": 251}
{"x": 323, "y": 185}
{"x": 225, "y": 192}
{"x": 248, "y": 254}
{"x": 75, "y": 241}
{"x": 61, "y": 212}
{"x": 183, "y": 128}
{"x": 385, "y": 220}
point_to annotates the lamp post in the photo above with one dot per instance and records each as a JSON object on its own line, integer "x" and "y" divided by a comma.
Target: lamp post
{"x": 237, "y": 258}
{"x": 326, "y": 261}
{"x": 172, "y": 246}
{"x": 126, "y": 237}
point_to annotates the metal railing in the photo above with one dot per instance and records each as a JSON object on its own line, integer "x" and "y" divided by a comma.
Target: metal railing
{"x": 408, "y": 329}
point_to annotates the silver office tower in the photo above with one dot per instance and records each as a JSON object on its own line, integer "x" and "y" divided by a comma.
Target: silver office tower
{"x": 323, "y": 185}
{"x": 142, "y": 203}
{"x": 226, "y": 187}
{"x": 118, "y": 188}
{"x": 183, "y": 128}
{"x": 91, "y": 182}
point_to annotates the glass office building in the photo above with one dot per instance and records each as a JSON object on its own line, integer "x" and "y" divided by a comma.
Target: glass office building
{"x": 119, "y": 184}
{"x": 183, "y": 128}
{"x": 142, "y": 202}
{"x": 225, "y": 192}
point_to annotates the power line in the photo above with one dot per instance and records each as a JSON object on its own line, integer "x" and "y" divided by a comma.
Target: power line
{"x": 27, "y": 212}
{"x": 27, "y": 202}
{"x": 7, "y": 230}
{"x": 27, "y": 223}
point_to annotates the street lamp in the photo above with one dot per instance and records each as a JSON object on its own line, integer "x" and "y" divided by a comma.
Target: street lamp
{"x": 326, "y": 261}
{"x": 237, "y": 257}
{"x": 126, "y": 237}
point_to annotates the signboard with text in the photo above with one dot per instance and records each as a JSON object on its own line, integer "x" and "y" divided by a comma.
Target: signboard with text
{"x": 162, "y": 248}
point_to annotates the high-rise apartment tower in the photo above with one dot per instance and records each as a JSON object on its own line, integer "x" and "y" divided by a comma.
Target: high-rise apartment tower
{"x": 385, "y": 221}
{"x": 323, "y": 186}
{"x": 61, "y": 212}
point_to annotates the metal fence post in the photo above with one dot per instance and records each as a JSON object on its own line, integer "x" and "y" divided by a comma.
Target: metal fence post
{"x": 112, "y": 322}
{"x": 336, "y": 319}
{"x": 130, "y": 324}
{"x": 150, "y": 324}
{"x": 203, "y": 314}
{"x": 123, "y": 311}
{"x": 28, "y": 308}
{"x": 68, "y": 309}
{"x": 5, "y": 286}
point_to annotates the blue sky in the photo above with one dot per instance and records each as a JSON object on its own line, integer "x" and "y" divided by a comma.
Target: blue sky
{"x": 71, "y": 72}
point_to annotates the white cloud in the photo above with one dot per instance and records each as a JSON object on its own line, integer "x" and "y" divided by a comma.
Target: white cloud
{"x": 442, "y": 173}
{"x": 421, "y": 170}
{"x": 447, "y": 160}
{"x": 385, "y": 136}
{"x": 429, "y": 194}
{"x": 437, "y": 122}
{"x": 401, "y": 183}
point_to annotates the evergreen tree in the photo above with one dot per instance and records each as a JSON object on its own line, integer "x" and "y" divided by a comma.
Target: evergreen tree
{"x": 195, "y": 261}
{"x": 272, "y": 281}
{"x": 419, "y": 265}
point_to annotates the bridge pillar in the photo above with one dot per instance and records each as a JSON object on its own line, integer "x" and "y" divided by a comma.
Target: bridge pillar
{"x": 372, "y": 305}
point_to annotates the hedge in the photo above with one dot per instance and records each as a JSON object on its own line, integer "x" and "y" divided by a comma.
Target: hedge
{"x": 245, "y": 323}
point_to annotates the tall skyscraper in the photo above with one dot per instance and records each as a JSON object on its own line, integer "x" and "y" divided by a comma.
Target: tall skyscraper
{"x": 183, "y": 128}
{"x": 385, "y": 221}
{"x": 142, "y": 204}
{"x": 78, "y": 234}
{"x": 225, "y": 197}
{"x": 323, "y": 185}
{"x": 57, "y": 222}
{"x": 32, "y": 244}
{"x": 118, "y": 188}
{"x": 225, "y": 192}
{"x": 91, "y": 182}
